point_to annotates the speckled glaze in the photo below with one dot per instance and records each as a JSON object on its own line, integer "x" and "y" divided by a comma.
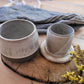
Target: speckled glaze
{"x": 59, "y": 39}
{"x": 57, "y": 45}
{"x": 18, "y": 39}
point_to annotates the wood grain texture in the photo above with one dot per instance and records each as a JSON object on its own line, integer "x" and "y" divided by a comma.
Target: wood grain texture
{"x": 7, "y": 76}
{"x": 41, "y": 69}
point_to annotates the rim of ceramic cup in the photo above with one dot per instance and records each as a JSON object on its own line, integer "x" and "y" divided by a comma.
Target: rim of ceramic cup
{"x": 61, "y": 35}
{"x": 34, "y": 29}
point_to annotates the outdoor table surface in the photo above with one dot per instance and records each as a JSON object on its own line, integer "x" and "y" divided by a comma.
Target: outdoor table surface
{"x": 7, "y": 76}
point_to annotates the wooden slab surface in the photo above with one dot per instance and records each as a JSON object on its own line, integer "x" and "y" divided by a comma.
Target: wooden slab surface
{"x": 42, "y": 70}
{"x": 7, "y": 76}
{"x": 10, "y": 77}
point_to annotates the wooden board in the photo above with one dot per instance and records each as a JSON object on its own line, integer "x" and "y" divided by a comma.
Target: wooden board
{"x": 42, "y": 70}
{"x": 7, "y": 76}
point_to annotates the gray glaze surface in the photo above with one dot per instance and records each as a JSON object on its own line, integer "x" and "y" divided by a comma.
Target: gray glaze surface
{"x": 59, "y": 39}
{"x": 18, "y": 39}
{"x": 16, "y": 30}
{"x": 57, "y": 45}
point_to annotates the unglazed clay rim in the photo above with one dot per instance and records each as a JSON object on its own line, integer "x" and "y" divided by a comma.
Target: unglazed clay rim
{"x": 52, "y": 58}
{"x": 22, "y": 37}
{"x": 56, "y": 34}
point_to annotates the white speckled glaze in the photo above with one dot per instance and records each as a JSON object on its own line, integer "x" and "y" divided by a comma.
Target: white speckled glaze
{"x": 59, "y": 39}
{"x": 18, "y": 39}
{"x": 57, "y": 45}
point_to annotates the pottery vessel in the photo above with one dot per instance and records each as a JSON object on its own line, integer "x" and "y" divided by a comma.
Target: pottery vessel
{"x": 58, "y": 42}
{"x": 18, "y": 40}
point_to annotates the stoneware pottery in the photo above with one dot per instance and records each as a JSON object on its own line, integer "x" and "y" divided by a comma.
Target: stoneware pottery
{"x": 58, "y": 43}
{"x": 18, "y": 40}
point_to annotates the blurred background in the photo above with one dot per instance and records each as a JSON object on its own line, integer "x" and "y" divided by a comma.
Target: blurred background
{"x": 70, "y": 6}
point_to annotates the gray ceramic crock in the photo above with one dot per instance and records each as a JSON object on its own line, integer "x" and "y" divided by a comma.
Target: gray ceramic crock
{"x": 18, "y": 40}
{"x": 58, "y": 43}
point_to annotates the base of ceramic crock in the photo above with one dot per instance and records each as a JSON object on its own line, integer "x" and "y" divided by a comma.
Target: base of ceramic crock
{"x": 21, "y": 60}
{"x": 53, "y": 58}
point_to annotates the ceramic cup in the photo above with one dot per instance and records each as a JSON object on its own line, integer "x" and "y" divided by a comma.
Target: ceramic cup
{"x": 18, "y": 40}
{"x": 57, "y": 45}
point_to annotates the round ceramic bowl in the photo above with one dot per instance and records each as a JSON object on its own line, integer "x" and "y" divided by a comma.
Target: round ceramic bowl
{"x": 18, "y": 40}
